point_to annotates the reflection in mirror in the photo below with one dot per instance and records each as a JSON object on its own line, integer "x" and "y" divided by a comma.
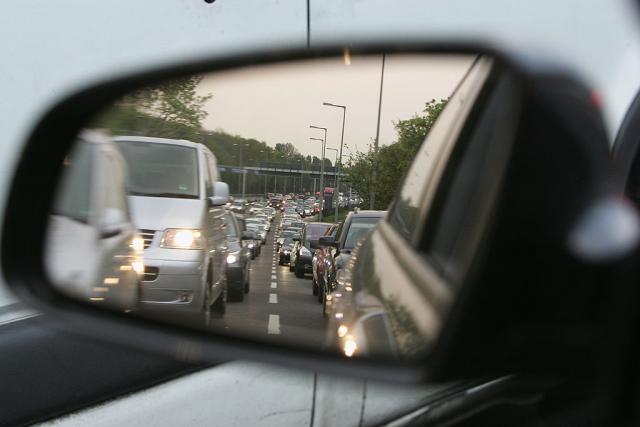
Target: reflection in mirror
{"x": 142, "y": 223}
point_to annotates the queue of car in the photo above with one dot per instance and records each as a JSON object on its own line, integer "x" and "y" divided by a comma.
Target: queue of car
{"x": 181, "y": 246}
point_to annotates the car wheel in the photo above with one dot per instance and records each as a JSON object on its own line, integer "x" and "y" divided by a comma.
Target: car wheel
{"x": 247, "y": 284}
{"x": 314, "y": 286}
{"x": 219, "y": 306}
{"x": 299, "y": 270}
{"x": 324, "y": 304}
{"x": 290, "y": 266}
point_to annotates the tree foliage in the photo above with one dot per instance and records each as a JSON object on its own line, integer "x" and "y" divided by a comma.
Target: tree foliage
{"x": 394, "y": 159}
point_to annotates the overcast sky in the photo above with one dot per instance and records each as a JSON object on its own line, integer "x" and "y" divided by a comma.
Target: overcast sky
{"x": 277, "y": 103}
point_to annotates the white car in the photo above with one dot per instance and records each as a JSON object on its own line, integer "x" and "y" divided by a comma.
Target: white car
{"x": 91, "y": 211}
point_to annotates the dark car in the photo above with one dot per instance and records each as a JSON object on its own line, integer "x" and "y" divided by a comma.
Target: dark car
{"x": 238, "y": 261}
{"x": 250, "y": 238}
{"x": 284, "y": 252}
{"x": 302, "y": 257}
{"x": 355, "y": 226}
{"x": 323, "y": 271}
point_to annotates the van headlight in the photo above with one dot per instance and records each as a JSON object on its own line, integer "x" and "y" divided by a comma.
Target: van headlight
{"x": 137, "y": 244}
{"x": 176, "y": 238}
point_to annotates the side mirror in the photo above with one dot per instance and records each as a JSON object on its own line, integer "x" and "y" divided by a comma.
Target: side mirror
{"x": 220, "y": 194}
{"x": 328, "y": 241}
{"x": 112, "y": 223}
{"x": 313, "y": 244}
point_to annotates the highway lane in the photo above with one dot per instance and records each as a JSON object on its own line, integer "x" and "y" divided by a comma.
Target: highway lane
{"x": 279, "y": 306}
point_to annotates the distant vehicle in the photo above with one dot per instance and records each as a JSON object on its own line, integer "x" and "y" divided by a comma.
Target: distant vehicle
{"x": 238, "y": 261}
{"x": 284, "y": 251}
{"x": 91, "y": 210}
{"x": 178, "y": 206}
{"x": 307, "y": 240}
{"x": 323, "y": 266}
{"x": 355, "y": 226}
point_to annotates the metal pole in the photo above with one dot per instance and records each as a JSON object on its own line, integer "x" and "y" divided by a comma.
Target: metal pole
{"x": 339, "y": 163}
{"x": 244, "y": 182}
{"x": 324, "y": 142}
{"x": 374, "y": 173}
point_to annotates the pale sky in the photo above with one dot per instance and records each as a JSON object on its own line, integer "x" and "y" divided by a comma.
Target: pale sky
{"x": 277, "y": 103}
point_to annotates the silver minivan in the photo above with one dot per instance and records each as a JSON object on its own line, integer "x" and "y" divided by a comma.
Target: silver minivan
{"x": 177, "y": 204}
{"x": 92, "y": 212}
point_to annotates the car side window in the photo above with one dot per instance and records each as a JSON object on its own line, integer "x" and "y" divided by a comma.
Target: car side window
{"x": 470, "y": 182}
{"x": 409, "y": 209}
{"x": 115, "y": 196}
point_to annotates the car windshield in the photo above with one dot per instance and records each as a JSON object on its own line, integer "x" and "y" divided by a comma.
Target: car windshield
{"x": 231, "y": 227}
{"x": 358, "y": 229}
{"x": 314, "y": 232}
{"x": 288, "y": 242}
{"x": 160, "y": 170}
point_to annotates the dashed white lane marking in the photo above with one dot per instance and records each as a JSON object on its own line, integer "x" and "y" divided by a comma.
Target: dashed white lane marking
{"x": 273, "y": 298}
{"x": 274, "y": 285}
{"x": 274, "y": 277}
{"x": 274, "y": 324}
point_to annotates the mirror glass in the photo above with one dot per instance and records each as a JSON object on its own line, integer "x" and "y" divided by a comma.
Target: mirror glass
{"x": 133, "y": 229}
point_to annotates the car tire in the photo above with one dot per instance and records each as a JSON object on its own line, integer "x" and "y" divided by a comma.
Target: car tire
{"x": 290, "y": 266}
{"x": 324, "y": 304}
{"x": 247, "y": 284}
{"x": 314, "y": 286}
{"x": 299, "y": 270}
{"x": 219, "y": 306}
{"x": 320, "y": 294}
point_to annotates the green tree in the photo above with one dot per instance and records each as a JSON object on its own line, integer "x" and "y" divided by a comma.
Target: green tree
{"x": 171, "y": 109}
{"x": 394, "y": 159}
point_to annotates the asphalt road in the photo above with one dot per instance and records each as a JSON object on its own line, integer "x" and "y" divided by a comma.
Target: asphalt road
{"x": 279, "y": 306}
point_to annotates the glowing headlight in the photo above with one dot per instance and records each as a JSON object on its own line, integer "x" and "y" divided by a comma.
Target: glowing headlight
{"x": 181, "y": 239}
{"x": 350, "y": 346}
{"x": 250, "y": 245}
{"x": 232, "y": 258}
{"x": 138, "y": 267}
{"x": 286, "y": 252}
{"x": 342, "y": 331}
{"x": 137, "y": 244}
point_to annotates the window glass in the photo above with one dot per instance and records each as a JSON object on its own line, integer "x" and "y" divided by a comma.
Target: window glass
{"x": 358, "y": 229}
{"x": 232, "y": 231}
{"x": 74, "y": 199}
{"x": 314, "y": 232}
{"x": 405, "y": 216}
{"x": 115, "y": 196}
{"x": 160, "y": 170}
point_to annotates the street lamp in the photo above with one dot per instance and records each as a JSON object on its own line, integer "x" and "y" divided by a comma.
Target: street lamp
{"x": 338, "y": 164}
{"x": 324, "y": 143}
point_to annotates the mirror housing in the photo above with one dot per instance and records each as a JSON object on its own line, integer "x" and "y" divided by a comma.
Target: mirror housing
{"x": 220, "y": 194}
{"x": 30, "y": 201}
{"x": 112, "y": 223}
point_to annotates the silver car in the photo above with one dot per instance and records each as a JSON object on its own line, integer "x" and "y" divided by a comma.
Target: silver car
{"x": 91, "y": 210}
{"x": 178, "y": 206}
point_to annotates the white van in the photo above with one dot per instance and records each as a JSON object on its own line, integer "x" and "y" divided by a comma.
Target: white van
{"x": 177, "y": 204}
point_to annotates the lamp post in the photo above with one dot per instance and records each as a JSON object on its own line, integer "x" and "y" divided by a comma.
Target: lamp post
{"x": 338, "y": 162}
{"x": 324, "y": 143}
{"x": 374, "y": 174}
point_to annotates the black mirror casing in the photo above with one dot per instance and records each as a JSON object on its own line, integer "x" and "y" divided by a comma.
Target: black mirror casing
{"x": 478, "y": 312}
